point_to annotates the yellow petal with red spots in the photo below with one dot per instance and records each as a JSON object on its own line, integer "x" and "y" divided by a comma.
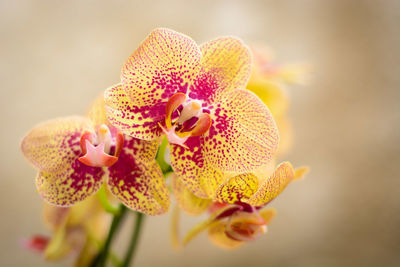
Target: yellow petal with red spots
{"x": 243, "y": 135}
{"x": 137, "y": 180}
{"x": 267, "y": 214}
{"x": 124, "y": 115}
{"x": 197, "y": 174}
{"x": 71, "y": 185}
{"x": 187, "y": 201}
{"x": 226, "y": 65}
{"x": 273, "y": 186}
{"x": 264, "y": 171}
{"x": 53, "y": 145}
{"x": 238, "y": 188}
{"x": 217, "y": 235}
{"x": 97, "y": 111}
{"x": 163, "y": 65}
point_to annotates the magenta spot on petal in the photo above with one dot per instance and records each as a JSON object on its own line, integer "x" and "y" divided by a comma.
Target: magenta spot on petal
{"x": 127, "y": 170}
{"x": 204, "y": 88}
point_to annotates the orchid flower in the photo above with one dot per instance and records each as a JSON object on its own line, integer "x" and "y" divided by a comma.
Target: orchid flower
{"x": 269, "y": 81}
{"x": 76, "y": 231}
{"x": 75, "y": 155}
{"x": 236, "y": 211}
{"x": 196, "y": 97}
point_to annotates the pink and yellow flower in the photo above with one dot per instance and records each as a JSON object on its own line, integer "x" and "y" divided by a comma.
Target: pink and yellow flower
{"x": 75, "y": 155}
{"x": 76, "y": 231}
{"x": 236, "y": 211}
{"x": 196, "y": 96}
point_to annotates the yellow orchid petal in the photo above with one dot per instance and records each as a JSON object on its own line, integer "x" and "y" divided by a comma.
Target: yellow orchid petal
{"x": 265, "y": 170}
{"x": 53, "y": 145}
{"x": 243, "y": 135}
{"x": 226, "y": 65}
{"x": 187, "y": 201}
{"x": 163, "y": 65}
{"x": 123, "y": 114}
{"x": 137, "y": 180}
{"x": 272, "y": 94}
{"x": 267, "y": 215}
{"x": 189, "y": 164}
{"x": 273, "y": 186}
{"x": 217, "y": 235}
{"x": 300, "y": 172}
{"x": 163, "y": 56}
{"x": 69, "y": 186}
{"x": 97, "y": 111}
{"x": 237, "y": 188}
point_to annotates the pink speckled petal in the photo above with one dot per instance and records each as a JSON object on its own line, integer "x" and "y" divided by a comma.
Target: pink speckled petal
{"x": 274, "y": 185}
{"x": 54, "y": 145}
{"x": 71, "y": 185}
{"x": 187, "y": 201}
{"x": 128, "y": 118}
{"x": 226, "y": 65}
{"x": 137, "y": 180}
{"x": 243, "y": 135}
{"x": 196, "y": 174}
{"x": 163, "y": 65}
{"x": 237, "y": 188}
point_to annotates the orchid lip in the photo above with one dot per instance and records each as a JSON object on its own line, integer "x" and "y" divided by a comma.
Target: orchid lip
{"x": 189, "y": 110}
{"x": 244, "y": 226}
{"x": 97, "y": 147}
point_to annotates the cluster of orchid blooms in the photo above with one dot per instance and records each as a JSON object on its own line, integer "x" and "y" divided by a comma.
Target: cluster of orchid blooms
{"x": 217, "y": 107}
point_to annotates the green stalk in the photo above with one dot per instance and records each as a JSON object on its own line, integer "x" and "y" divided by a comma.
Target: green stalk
{"x": 160, "y": 158}
{"x": 134, "y": 240}
{"x": 107, "y": 206}
{"x": 101, "y": 258}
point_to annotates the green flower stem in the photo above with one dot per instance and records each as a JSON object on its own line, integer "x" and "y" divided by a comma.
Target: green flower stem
{"x": 134, "y": 240}
{"x": 165, "y": 167}
{"x": 101, "y": 258}
{"x": 102, "y": 196}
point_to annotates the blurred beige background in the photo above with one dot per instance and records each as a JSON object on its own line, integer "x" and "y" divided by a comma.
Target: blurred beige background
{"x": 56, "y": 56}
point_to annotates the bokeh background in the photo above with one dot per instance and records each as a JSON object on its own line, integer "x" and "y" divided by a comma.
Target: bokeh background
{"x": 56, "y": 56}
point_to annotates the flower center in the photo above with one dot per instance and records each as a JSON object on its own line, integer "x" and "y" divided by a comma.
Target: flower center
{"x": 245, "y": 226}
{"x": 98, "y": 148}
{"x": 184, "y": 118}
